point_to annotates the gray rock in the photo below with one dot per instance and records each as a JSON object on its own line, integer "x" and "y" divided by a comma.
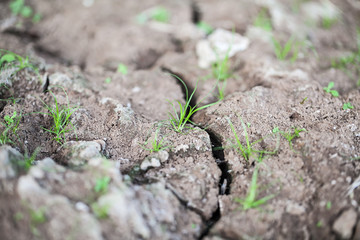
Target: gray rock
{"x": 77, "y": 153}
{"x": 9, "y": 157}
{"x": 344, "y": 224}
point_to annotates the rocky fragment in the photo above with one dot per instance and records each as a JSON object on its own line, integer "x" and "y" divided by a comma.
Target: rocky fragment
{"x": 345, "y": 223}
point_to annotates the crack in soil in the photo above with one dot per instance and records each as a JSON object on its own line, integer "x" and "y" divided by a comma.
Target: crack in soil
{"x": 218, "y": 154}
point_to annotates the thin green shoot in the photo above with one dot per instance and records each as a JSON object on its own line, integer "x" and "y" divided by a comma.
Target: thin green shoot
{"x": 263, "y": 20}
{"x": 122, "y": 68}
{"x": 156, "y": 144}
{"x": 178, "y": 120}
{"x": 328, "y": 205}
{"x": 248, "y": 150}
{"x": 319, "y": 224}
{"x": 329, "y": 89}
{"x": 29, "y": 159}
{"x": 282, "y": 52}
{"x": 102, "y": 184}
{"x": 251, "y": 199}
{"x": 205, "y": 27}
{"x": 348, "y": 105}
{"x": 60, "y": 115}
{"x": 10, "y": 125}
{"x": 221, "y": 86}
{"x": 221, "y": 69}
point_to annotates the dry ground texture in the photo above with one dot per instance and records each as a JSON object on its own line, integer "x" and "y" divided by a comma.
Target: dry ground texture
{"x": 92, "y": 143}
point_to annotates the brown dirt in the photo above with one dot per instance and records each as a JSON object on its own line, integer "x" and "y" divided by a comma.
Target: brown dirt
{"x": 191, "y": 187}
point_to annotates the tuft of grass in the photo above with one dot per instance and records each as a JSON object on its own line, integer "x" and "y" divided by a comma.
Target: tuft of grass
{"x": 178, "y": 120}
{"x": 10, "y": 125}
{"x": 60, "y": 116}
{"x": 329, "y": 89}
{"x": 289, "y": 136}
{"x": 157, "y": 144}
{"x": 102, "y": 184}
{"x": 350, "y": 64}
{"x": 251, "y": 200}
{"x": 263, "y": 20}
{"x": 11, "y": 59}
{"x": 248, "y": 150}
{"x": 205, "y": 27}
{"x": 221, "y": 86}
{"x": 29, "y": 159}
{"x": 221, "y": 69}
{"x": 282, "y": 52}
{"x": 347, "y": 105}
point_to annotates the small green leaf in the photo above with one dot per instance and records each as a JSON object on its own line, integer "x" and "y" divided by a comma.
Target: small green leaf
{"x": 334, "y": 93}
{"x": 16, "y": 6}
{"x": 122, "y": 69}
{"x": 7, "y": 58}
{"x": 207, "y": 28}
{"x": 36, "y": 18}
{"x": 108, "y": 80}
{"x": 347, "y": 105}
{"x": 26, "y": 11}
{"x": 160, "y": 14}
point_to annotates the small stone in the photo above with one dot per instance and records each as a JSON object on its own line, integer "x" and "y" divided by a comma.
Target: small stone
{"x": 155, "y": 162}
{"x": 333, "y": 182}
{"x": 344, "y": 224}
{"x": 145, "y": 165}
{"x": 163, "y": 156}
{"x": 37, "y": 172}
{"x": 82, "y": 207}
{"x": 8, "y": 159}
{"x": 295, "y": 209}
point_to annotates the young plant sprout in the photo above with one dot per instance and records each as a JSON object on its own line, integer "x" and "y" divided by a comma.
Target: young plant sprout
{"x": 178, "y": 120}
{"x": 251, "y": 199}
{"x": 60, "y": 116}
{"x": 329, "y": 89}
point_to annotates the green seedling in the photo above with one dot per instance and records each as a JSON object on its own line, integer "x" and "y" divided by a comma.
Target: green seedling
{"x": 319, "y": 224}
{"x": 102, "y": 184}
{"x": 347, "y": 105}
{"x": 263, "y": 20}
{"x": 178, "y": 120}
{"x": 29, "y": 159}
{"x": 60, "y": 116}
{"x": 289, "y": 136}
{"x": 101, "y": 212}
{"x": 328, "y": 22}
{"x": 350, "y": 64}
{"x": 10, "y": 124}
{"x": 37, "y": 216}
{"x": 205, "y": 27}
{"x": 108, "y": 80}
{"x": 221, "y": 86}
{"x": 303, "y": 101}
{"x": 329, "y": 89}
{"x": 248, "y": 150}
{"x": 15, "y": 60}
{"x": 159, "y": 14}
{"x": 250, "y": 200}
{"x": 18, "y": 7}
{"x": 221, "y": 69}
{"x": 122, "y": 68}
{"x": 291, "y": 46}
{"x": 328, "y": 205}
{"x": 157, "y": 145}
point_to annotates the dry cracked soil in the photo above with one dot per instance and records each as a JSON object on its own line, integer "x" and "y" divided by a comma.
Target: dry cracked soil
{"x": 276, "y": 158}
